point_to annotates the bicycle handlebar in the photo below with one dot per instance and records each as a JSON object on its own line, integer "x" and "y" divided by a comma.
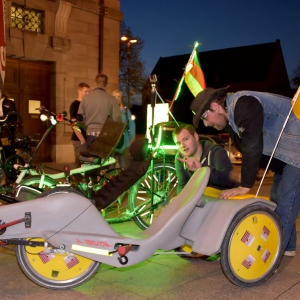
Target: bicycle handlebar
{"x": 7, "y": 116}
{"x": 62, "y": 117}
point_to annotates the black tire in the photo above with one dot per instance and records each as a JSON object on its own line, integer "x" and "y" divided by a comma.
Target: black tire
{"x": 9, "y": 170}
{"x": 60, "y": 190}
{"x": 252, "y": 247}
{"x": 54, "y": 274}
{"x": 165, "y": 184}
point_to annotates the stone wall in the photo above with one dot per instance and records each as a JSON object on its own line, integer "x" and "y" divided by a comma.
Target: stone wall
{"x": 74, "y": 32}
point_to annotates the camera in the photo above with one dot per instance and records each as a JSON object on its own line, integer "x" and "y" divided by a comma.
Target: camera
{"x": 153, "y": 78}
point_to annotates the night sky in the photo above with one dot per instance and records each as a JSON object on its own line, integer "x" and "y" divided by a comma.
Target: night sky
{"x": 171, "y": 27}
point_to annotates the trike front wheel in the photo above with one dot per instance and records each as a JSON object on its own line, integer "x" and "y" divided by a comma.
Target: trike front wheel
{"x": 56, "y": 270}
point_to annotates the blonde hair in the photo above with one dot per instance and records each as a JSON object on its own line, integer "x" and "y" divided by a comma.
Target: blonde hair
{"x": 117, "y": 91}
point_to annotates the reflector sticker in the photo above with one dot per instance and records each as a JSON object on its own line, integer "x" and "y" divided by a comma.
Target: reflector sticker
{"x": 45, "y": 257}
{"x": 71, "y": 260}
{"x": 91, "y": 250}
{"x": 265, "y": 233}
{"x": 248, "y": 238}
{"x": 248, "y": 262}
{"x": 265, "y": 255}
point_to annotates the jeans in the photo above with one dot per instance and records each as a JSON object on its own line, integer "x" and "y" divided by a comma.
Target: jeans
{"x": 285, "y": 192}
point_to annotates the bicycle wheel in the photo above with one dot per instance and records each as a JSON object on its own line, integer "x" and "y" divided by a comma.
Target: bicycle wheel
{"x": 60, "y": 190}
{"x": 140, "y": 195}
{"x": 39, "y": 182}
{"x": 58, "y": 269}
{"x": 9, "y": 170}
{"x": 252, "y": 247}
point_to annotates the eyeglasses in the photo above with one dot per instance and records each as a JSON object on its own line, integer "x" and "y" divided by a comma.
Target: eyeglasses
{"x": 204, "y": 116}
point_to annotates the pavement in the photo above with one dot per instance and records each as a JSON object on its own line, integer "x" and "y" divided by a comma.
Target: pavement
{"x": 160, "y": 277}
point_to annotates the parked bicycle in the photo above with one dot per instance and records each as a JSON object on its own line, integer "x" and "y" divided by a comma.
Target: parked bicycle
{"x": 32, "y": 180}
{"x": 144, "y": 203}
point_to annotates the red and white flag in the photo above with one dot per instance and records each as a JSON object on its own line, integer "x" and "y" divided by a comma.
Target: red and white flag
{"x": 265, "y": 233}
{"x": 71, "y": 260}
{"x": 247, "y": 238}
{"x": 46, "y": 257}
{"x": 248, "y": 262}
{"x": 265, "y": 255}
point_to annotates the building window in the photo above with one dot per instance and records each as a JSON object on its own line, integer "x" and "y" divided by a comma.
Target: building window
{"x": 26, "y": 18}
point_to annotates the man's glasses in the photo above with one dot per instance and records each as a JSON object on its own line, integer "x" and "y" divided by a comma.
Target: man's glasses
{"x": 204, "y": 116}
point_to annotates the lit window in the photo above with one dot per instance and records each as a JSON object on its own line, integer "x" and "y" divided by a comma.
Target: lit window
{"x": 26, "y": 19}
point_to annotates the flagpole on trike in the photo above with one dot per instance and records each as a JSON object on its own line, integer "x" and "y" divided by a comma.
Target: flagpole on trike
{"x": 196, "y": 44}
{"x": 297, "y": 113}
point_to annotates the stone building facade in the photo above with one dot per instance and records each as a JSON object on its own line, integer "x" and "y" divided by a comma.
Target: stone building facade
{"x": 80, "y": 38}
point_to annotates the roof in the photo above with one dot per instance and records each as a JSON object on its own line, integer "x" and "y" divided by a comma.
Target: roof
{"x": 256, "y": 67}
{"x": 231, "y": 66}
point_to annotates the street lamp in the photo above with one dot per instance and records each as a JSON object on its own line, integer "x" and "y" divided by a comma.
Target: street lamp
{"x": 129, "y": 42}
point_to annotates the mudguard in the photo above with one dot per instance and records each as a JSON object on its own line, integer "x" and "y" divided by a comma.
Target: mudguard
{"x": 206, "y": 227}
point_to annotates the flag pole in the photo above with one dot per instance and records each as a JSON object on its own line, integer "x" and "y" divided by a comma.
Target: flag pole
{"x": 196, "y": 44}
{"x": 295, "y": 98}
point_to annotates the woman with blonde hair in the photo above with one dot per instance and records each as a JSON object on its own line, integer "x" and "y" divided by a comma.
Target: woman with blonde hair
{"x": 129, "y": 133}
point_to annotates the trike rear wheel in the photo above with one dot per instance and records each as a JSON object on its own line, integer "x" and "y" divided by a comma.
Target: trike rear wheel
{"x": 252, "y": 248}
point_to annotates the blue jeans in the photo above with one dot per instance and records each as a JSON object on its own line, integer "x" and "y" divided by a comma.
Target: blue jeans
{"x": 285, "y": 192}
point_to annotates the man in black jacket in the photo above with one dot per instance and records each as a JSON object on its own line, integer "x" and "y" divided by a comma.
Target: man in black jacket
{"x": 193, "y": 154}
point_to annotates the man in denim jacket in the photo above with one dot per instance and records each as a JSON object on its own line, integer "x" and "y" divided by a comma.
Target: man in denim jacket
{"x": 254, "y": 121}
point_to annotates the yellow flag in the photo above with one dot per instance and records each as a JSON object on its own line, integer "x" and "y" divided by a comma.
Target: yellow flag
{"x": 296, "y": 100}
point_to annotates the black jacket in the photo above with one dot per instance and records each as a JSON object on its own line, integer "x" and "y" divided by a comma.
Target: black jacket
{"x": 248, "y": 114}
{"x": 219, "y": 163}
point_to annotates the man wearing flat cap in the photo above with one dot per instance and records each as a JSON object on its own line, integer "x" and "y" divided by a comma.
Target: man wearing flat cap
{"x": 254, "y": 121}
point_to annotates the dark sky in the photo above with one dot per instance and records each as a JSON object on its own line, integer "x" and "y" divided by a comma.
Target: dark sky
{"x": 171, "y": 27}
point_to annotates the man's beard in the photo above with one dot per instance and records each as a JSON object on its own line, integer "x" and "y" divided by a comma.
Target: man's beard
{"x": 223, "y": 122}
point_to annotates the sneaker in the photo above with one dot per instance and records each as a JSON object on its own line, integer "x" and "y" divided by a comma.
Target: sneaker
{"x": 289, "y": 253}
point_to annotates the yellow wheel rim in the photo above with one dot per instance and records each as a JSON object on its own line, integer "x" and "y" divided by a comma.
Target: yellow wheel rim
{"x": 56, "y": 264}
{"x": 254, "y": 246}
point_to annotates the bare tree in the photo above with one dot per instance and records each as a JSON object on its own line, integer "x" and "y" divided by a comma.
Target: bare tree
{"x": 132, "y": 74}
{"x": 296, "y": 78}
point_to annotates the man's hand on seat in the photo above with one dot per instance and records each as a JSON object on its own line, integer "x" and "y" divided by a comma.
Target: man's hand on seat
{"x": 234, "y": 192}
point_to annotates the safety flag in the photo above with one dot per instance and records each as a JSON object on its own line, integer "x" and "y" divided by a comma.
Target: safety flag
{"x": 2, "y": 44}
{"x": 194, "y": 77}
{"x": 296, "y": 103}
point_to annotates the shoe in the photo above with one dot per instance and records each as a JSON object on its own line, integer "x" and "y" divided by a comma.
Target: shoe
{"x": 289, "y": 253}
{"x": 213, "y": 257}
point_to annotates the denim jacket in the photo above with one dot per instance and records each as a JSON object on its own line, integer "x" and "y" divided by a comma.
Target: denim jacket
{"x": 276, "y": 109}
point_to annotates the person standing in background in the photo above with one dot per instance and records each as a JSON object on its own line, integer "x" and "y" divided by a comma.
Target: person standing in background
{"x": 129, "y": 133}
{"x": 94, "y": 109}
{"x": 7, "y": 129}
{"x": 83, "y": 89}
